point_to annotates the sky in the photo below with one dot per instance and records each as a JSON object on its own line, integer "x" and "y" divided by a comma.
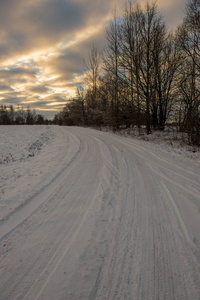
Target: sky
{"x": 43, "y": 45}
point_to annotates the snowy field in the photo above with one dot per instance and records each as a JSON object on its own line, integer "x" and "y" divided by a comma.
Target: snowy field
{"x": 30, "y": 158}
{"x": 86, "y": 214}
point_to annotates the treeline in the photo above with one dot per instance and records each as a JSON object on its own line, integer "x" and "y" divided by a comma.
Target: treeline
{"x": 21, "y": 116}
{"x": 146, "y": 76}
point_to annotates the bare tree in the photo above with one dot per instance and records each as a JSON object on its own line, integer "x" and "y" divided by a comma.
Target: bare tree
{"x": 111, "y": 66}
{"x": 148, "y": 20}
{"x": 166, "y": 63}
{"x": 130, "y": 54}
{"x": 93, "y": 66}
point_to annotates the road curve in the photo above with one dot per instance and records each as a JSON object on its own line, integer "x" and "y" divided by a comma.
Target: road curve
{"x": 120, "y": 222}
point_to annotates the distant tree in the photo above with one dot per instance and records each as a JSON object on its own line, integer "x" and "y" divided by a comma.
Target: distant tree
{"x": 11, "y": 114}
{"x": 20, "y": 116}
{"x": 29, "y": 117}
{"x": 39, "y": 119}
{"x": 4, "y": 115}
{"x": 58, "y": 119}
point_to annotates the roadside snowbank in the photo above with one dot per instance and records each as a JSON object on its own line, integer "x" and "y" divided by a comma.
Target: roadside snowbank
{"x": 18, "y": 143}
{"x": 30, "y": 158}
{"x": 169, "y": 141}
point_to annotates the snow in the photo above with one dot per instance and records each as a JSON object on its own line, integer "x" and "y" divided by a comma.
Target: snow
{"x": 19, "y": 143}
{"x": 31, "y": 157}
{"x": 169, "y": 140}
{"x": 86, "y": 214}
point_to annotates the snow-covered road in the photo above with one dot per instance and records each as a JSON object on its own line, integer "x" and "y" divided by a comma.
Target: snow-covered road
{"x": 119, "y": 219}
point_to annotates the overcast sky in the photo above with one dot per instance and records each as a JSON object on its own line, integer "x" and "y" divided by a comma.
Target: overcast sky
{"x": 43, "y": 44}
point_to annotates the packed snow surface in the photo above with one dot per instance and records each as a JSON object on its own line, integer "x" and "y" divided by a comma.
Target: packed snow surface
{"x": 86, "y": 214}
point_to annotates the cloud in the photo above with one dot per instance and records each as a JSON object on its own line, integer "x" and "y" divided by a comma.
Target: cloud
{"x": 173, "y": 11}
{"x": 4, "y": 87}
{"x": 37, "y": 26}
{"x": 8, "y": 101}
{"x": 38, "y": 89}
{"x": 16, "y": 73}
{"x": 54, "y": 17}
